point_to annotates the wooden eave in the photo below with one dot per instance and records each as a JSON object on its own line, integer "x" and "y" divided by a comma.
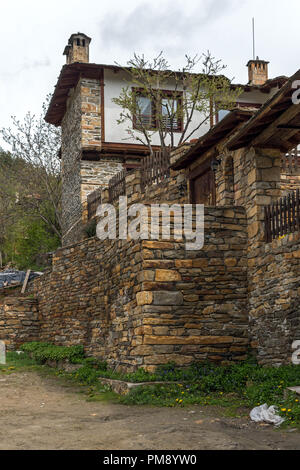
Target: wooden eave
{"x": 275, "y": 125}
{"x": 214, "y": 136}
{"x": 116, "y": 149}
{"x": 67, "y": 80}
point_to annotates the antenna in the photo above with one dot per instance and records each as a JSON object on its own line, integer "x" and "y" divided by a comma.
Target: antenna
{"x": 253, "y": 35}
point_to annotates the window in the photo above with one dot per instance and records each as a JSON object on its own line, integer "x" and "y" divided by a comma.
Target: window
{"x": 169, "y": 107}
{"x": 144, "y": 111}
{"x": 169, "y": 111}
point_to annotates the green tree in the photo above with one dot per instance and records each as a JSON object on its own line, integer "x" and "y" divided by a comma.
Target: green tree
{"x": 33, "y": 168}
{"x": 199, "y": 91}
{"x": 26, "y": 240}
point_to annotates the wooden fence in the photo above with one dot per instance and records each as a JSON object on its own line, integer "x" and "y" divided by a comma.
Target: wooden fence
{"x": 116, "y": 186}
{"x": 93, "y": 201}
{"x": 155, "y": 168}
{"x": 283, "y": 217}
{"x": 290, "y": 162}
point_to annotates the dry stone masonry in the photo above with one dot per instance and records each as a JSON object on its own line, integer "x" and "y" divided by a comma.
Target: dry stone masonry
{"x": 144, "y": 303}
{"x": 18, "y": 321}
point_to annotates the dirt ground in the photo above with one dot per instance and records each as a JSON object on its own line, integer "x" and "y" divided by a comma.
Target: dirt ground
{"x": 40, "y": 412}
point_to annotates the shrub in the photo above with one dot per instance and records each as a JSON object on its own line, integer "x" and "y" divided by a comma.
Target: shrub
{"x": 90, "y": 228}
{"x": 42, "y": 352}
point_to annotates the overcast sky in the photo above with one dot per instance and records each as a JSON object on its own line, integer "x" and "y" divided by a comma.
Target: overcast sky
{"x": 34, "y": 33}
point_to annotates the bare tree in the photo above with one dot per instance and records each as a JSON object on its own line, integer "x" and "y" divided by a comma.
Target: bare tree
{"x": 37, "y": 143}
{"x": 191, "y": 93}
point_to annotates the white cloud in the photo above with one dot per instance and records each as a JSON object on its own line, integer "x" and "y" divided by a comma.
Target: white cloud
{"x": 34, "y": 33}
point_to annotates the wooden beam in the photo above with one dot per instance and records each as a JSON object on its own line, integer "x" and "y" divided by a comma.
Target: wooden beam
{"x": 282, "y": 147}
{"x": 287, "y": 116}
{"x": 240, "y": 139}
{"x": 291, "y": 133}
{"x": 25, "y": 281}
{"x": 288, "y": 126}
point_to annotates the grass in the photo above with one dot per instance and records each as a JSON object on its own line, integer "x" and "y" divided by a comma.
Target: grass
{"x": 235, "y": 389}
{"x": 15, "y": 362}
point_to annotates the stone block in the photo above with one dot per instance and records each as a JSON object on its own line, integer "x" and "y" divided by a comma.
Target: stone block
{"x": 167, "y": 298}
{"x": 163, "y": 275}
{"x": 144, "y": 298}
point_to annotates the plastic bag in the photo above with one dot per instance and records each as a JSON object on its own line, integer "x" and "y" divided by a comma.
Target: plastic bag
{"x": 268, "y": 415}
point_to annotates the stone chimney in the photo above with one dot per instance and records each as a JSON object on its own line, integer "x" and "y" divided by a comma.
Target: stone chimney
{"x": 257, "y": 71}
{"x": 77, "y": 49}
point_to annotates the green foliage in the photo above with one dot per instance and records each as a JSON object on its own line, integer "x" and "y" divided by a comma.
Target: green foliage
{"x": 86, "y": 375}
{"x": 90, "y": 228}
{"x": 24, "y": 235}
{"x": 26, "y": 240}
{"x": 95, "y": 363}
{"x": 42, "y": 352}
{"x": 245, "y": 384}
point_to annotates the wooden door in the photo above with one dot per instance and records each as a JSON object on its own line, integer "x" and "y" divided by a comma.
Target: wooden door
{"x": 203, "y": 189}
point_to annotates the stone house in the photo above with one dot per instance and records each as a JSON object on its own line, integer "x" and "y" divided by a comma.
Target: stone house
{"x": 94, "y": 147}
{"x": 146, "y": 302}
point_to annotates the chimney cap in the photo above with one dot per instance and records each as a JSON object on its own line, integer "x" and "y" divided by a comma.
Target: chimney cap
{"x": 257, "y": 60}
{"x": 71, "y": 39}
{"x": 75, "y": 35}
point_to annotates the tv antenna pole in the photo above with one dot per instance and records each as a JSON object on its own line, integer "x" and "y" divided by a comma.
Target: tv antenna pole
{"x": 253, "y": 37}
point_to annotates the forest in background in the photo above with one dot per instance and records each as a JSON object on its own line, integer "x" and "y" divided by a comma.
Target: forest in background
{"x": 30, "y": 192}
{"x": 24, "y": 235}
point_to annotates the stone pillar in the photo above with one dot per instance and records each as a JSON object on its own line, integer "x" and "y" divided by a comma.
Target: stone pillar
{"x": 257, "y": 184}
{"x": 262, "y": 188}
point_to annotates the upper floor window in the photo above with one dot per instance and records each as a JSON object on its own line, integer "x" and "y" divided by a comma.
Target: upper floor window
{"x": 144, "y": 111}
{"x": 166, "y": 110}
{"x": 170, "y": 109}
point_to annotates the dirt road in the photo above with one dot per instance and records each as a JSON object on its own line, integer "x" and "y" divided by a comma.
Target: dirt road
{"x": 43, "y": 413}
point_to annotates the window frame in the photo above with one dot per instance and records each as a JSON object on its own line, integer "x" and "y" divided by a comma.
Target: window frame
{"x": 166, "y": 94}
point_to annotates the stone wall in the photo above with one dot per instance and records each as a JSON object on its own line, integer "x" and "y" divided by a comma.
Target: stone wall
{"x": 274, "y": 315}
{"x": 194, "y": 303}
{"x": 147, "y": 302}
{"x": 273, "y": 268}
{"x": 89, "y": 297}
{"x": 18, "y": 321}
{"x": 90, "y": 112}
{"x": 96, "y": 175}
{"x": 172, "y": 190}
{"x": 71, "y": 156}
